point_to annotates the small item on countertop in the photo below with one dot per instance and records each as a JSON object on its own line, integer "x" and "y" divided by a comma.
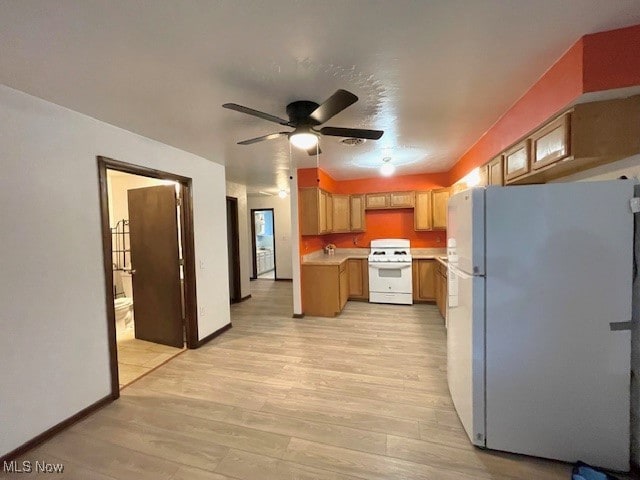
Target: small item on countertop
{"x": 330, "y": 249}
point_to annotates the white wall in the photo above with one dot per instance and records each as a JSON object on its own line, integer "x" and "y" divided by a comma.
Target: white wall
{"x": 239, "y": 191}
{"x": 282, "y": 229}
{"x": 54, "y": 346}
{"x": 631, "y": 168}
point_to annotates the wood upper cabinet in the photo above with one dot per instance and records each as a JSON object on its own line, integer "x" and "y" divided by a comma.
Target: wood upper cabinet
{"x": 341, "y": 213}
{"x": 495, "y": 171}
{"x": 401, "y": 199}
{"x": 439, "y": 200}
{"x": 424, "y": 280}
{"x": 356, "y": 212}
{"x": 551, "y": 143}
{"x": 423, "y": 215}
{"x": 377, "y": 200}
{"x": 517, "y": 161}
{"x": 358, "y": 273}
{"x": 315, "y": 211}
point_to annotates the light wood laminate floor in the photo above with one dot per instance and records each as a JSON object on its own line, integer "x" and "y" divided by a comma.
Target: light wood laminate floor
{"x": 138, "y": 357}
{"x": 361, "y": 396}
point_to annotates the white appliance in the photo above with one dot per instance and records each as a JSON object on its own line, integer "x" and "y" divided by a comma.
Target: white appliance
{"x": 390, "y": 279}
{"x": 538, "y": 345}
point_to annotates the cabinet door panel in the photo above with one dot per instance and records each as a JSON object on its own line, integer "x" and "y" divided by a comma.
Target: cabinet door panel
{"x": 516, "y": 160}
{"x": 439, "y": 199}
{"x": 422, "y": 215}
{"x": 401, "y": 199}
{"x": 377, "y": 200}
{"x": 427, "y": 279}
{"x": 341, "y": 213}
{"x": 356, "y": 282}
{"x": 357, "y": 223}
{"x": 495, "y": 174}
{"x": 551, "y": 143}
{"x": 329, "y": 212}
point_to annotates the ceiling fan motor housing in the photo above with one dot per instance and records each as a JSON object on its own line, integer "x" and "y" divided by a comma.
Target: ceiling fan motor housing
{"x": 299, "y": 112}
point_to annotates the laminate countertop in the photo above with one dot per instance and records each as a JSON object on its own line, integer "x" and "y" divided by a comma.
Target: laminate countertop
{"x": 344, "y": 254}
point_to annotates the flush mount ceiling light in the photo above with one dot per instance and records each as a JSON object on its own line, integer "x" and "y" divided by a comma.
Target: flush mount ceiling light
{"x": 282, "y": 193}
{"x": 387, "y": 168}
{"x": 303, "y": 139}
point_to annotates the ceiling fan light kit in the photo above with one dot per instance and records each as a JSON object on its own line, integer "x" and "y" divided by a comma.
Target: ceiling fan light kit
{"x": 303, "y": 140}
{"x": 304, "y": 115}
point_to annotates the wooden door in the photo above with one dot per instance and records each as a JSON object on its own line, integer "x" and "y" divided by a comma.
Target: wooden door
{"x": 357, "y": 221}
{"x": 422, "y": 214}
{"x": 439, "y": 200}
{"x": 157, "y": 302}
{"x": 341, "y": 213}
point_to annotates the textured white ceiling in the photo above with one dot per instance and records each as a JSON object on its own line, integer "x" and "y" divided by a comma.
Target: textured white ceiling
{"x": 435, "y": 75}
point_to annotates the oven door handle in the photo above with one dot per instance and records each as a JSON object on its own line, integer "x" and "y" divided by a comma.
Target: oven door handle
{"x": 389, "y": 265}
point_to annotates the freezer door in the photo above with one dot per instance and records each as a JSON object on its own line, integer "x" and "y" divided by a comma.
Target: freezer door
{"x": 465, "y": 351}
{"x": 557, "y": 375}
{"x": 465, "y": 231}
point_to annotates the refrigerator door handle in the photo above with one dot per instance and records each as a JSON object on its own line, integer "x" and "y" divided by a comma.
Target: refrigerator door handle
{"x": 619, "y": 326}
{"x": 459, "y": 273}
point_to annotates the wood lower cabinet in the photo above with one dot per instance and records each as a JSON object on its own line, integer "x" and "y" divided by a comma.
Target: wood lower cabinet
{"x": 424, "y": 277}
{"x": 341, "y": 208}
{"x": 439, "y": 201}
{"x": 356, "y": 212}
{"x": 325, "y": 289}
{"x": 358, "y": 270}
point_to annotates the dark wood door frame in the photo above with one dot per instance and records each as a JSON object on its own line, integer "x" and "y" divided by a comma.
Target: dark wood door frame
{"x": 253, "y": 241}
{"x": 188, "y": 254}
{"x": 235, "y": 250}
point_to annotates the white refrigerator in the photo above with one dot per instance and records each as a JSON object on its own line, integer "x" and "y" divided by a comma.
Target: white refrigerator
{"x": 539, "y": 310}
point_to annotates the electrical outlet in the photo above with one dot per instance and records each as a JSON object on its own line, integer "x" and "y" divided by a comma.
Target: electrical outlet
{"x": 202, "y": 311}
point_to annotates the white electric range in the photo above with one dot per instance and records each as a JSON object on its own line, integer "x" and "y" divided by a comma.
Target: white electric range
{"x": 390, "y": 279}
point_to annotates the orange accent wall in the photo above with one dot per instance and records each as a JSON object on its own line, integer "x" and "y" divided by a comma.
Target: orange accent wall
{"x": 379, "y": 223}
{"x": 597, "y": 62}
{"x": 612, "y": 59}
{"x": 557, "y": 88}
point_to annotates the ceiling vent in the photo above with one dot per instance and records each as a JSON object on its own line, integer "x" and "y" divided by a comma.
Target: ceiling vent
{"x": 352, "y": 142}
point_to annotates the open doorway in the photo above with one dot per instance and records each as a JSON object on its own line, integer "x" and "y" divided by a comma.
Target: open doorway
{"x": 263, "y": 243}
{"x": 148, "y": 249}
{"x": 233, "y": 250}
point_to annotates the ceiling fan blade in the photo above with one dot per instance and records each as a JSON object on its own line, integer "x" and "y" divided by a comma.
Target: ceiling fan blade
{"x": 257, "y": 113}
{"x": 332, "y": 106}
{"x": 312, "y": 151}
{"x": 352, "y": 132}
{"x": 271, "y": 136}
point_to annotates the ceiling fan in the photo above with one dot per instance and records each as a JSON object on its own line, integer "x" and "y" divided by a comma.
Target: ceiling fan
{"x": 304, "y": 116}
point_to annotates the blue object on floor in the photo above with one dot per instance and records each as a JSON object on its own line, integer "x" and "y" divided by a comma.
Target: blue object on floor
{"x": 582, "y": 471}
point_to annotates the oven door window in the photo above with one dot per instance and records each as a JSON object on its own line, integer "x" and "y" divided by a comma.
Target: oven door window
{"x": 389, "y": 272}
